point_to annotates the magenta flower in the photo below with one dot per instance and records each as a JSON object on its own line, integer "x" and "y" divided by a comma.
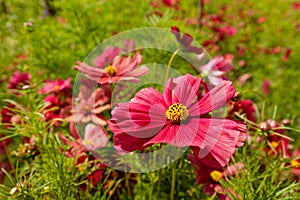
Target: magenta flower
{"x": 19, "y": 80}
{"x": 211, "y": 176}
{"x": 107, "y": 57}
{"x": 185, "y": 41}
{"x": 215, "y": 69}
{"x": 94, "y": 137}
{"x": 265, "y": 86}
{"x": 56, "y": 86}
{"x": 180, "y": 118}
{"x": 90, "y": 106}
{"x": 121, "y": 68}
{"x": 243, "y": 107}
{"x": 295, "y": 163}
{"x": 53, "y": 110}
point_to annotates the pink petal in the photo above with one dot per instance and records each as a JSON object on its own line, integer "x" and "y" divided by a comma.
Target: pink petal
{"x": 142, "y": 117}
{"x": 95, "y": 137}
{"x": 214, "y": 99}
{"x": 183, "y": 89}
{"x": 217, "y": 139}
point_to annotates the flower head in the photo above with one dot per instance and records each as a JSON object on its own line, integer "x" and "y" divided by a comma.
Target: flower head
{"x": 179, "y": 118}
{"x": 94, "y": 137}
{"x": 121, "y": 68}
{"x": 211, "y": 176}
{"x": 243, "y": 107}
{"x": 185, "y": 41}
{"x": 90, "y": 105}
{"x": 56, "y": 86}
{"x": 18, "y": 80}
{"x": 215, "y": 69}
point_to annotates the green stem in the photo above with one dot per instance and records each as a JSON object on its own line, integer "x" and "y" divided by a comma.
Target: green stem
{"x": 172, "y": 195}
{"x": 170, "y": 63}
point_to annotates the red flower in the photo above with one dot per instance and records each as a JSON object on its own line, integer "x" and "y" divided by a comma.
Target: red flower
{"x": 18, "y": 80}
{"x": 210, "y": 176}
{"x": 96, "y": 176}
{"x": 287, "y": 54}
{"x": 295, "y": 163}
{"x": 185, "y": 41}
{"x": 296, "y": 5}
{"x": 276, "y": 143}
{"x": 265, "y": 86}
{"x": 243, "y": 107}
{"x": 56, "y": 86}
{"x": 121, "y": 68}
{"x": 179, "y": 117}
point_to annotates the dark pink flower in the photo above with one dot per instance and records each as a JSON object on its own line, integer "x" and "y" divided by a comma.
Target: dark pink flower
{"x": 179, "y": 118}
{"x": 107, "y": 57}
{"x": 121, "y": 68}
{"x": 211, "y": 176}
{"x": 94, "y": 137}
{"x": 287, "y": 54}
{"x": 243, "y": 107}
{"x": 225, "y": 31}
{"x": 261, "y": 20}
{"x": 295, "y": 163}
{"x": 215, "y": 69}
{"x": 265, "y": 86}
{"x": 276, "y": 143}
{"x": 296, "y": 5}
{"x": 18, "y": 80}
{"x": 53, "y": 110}
{"x": 185, "y": 41}
{"x": 90, "y": 105}
{"x": 129, "y": 45}
{"x": 56, "y": 86}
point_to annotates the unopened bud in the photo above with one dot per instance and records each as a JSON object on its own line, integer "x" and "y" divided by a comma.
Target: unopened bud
{"x": 286, "y": 122}
{"x": 264, "y": 126}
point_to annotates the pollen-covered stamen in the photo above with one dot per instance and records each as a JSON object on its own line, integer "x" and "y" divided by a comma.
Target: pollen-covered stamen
{"x": 295, "y": 163}
{"x": 177, "y": 112}
{"x": 216, "y": 175}
{"x": 56, "y": 87}
{"x": 110, "y": 70}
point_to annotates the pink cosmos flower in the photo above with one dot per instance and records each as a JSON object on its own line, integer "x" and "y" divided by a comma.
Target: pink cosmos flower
{"x": 121, "y": 68}
{"x": 295, "y": 163}
{"x": 107, "y": 57}
{"x": 185, "y": 41}
{"x": 18, "y": 80}
{"x": 296, "y": 5}
{"x": 90, "y": 106}
{"x": 94, "y": 137}
{"x": 129, "y": 45}
{"x": 53, "y": 110}
{"x": 287, "y": 54}
{"x": 276, "y": 143}
{"x": 265, "y": 86}
{"x": 215, "y": 69}
{"x": 179, "y": 118}
{"x": 56, "y": 86}
{"x": 243, "y": 107}
{"x": 211, "y": 176}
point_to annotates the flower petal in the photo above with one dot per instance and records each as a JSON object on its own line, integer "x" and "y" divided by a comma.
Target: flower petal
{"x": 214, "y": 99}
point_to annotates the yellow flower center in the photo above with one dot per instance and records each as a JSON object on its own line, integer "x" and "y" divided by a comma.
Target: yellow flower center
{"x": 56, "y": 87}
{"x": 295, "y": 163}
{"x": 110, "y": 70}
{"x": 177, "y": 112}
{"x": 274, "y": 144}
{"x": 215, "y": 175}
